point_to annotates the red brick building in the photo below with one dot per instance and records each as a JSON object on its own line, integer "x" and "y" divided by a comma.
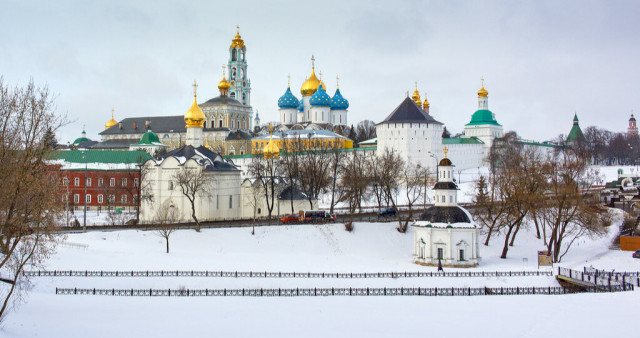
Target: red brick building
{"x": 113, "y": 178}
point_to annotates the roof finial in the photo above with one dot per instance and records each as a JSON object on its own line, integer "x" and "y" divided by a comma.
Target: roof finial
{"x": 313, "y": 62}
{"x": 445, "y": 152}
{"x": 237, "y": 29}
{"x": 289, "y": 80}
{"x": 416, "y": 85}
{"x": 224, "y": 68}
{"x": 320, "y": 73}
{"x": 482, "y": 79}
{"x": 337, "y": 82}
{"x": 112, "y": 111}
{"x": 195, "y": 88}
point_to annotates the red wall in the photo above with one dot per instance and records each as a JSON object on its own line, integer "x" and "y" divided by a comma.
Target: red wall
{"x": 105, "y": 190}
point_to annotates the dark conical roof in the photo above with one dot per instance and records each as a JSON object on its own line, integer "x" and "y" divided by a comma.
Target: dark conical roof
{"x": 409, "y": 112}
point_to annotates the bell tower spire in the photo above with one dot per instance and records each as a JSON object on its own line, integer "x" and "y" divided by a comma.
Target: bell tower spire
{"x": 240, "y": 85}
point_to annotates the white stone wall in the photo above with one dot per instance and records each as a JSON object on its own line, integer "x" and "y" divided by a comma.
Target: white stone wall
{"x": 339, "y": 117}
{"x": 223, "y": 202}
{"x": 415, "y": 142}
{"x": 467, "y": 156}
{"x": 451, "y": 240}
{"x": 288, "y": 116}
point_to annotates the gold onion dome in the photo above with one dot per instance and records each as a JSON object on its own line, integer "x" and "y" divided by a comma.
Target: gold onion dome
{"x": 426, "y": 103}
{"x": 237, "y": 40}
{"x": 416, "y": 97}
{"x": 482, "y": 92}
{"x": 194, "y": 116}
{"x": 111, "y": 122}
{"x": 224, "y": 84}
{"x": 271, "y": 149}
{"x": 311, "y": 84}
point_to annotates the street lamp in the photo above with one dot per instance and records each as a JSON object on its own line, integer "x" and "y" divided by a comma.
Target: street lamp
{"x": 437, "y": 163}
{"x": 84, "y": 223}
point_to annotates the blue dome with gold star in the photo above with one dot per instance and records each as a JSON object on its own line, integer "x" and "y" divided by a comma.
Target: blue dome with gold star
{"x": 288, "y": 101}
{"x": 338, "y": 102}
{"x": 301, "y": 107}
{"x": 320, "y": 98}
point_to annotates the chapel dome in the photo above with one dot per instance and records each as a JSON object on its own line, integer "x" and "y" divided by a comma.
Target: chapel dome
{"x": 288, "y": 101}
{"x": 632, "y": 118}
{"x": 338, "y": 102}
{"x": 224, "y": 84}
{"x": 113, "y": 122}
{"x": 445, "y": 162}
{"x": 310, "y": 85}
{"x": 483, "y": 92}
{"x": 483, "y": 116}
{"x": 446, "y": 215}
{"x": 194, "y": 117}
{"x": 320, "y": 98}
{"x": 149, "y": 138}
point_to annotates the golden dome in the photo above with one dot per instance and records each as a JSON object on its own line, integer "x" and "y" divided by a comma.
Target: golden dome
{"x": 416, "y": 97}
{"x": 224, "y": 84}
{"x": 271, "y": 149}
{"x": 194, "y": 116}
{"x": 111, "y": 122}
{"x": 311, "y": 84}
{"x": 237, "y": 41}
{"x": 425, "y": 105}
{"x": 482, "y": 92}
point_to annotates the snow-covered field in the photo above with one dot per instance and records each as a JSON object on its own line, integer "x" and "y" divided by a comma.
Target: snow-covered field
{"x": 371, "y": 247}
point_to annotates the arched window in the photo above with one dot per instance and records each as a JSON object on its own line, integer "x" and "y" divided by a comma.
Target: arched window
{"x": 233, "y": 55}
{"x": 232, "y": 95}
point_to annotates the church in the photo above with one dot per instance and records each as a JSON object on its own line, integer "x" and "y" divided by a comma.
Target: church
{"x": 228, "y": 117}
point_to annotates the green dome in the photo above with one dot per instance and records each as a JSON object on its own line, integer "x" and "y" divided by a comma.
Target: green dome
{"x": 482, "y": 116}
{"x": 80, "y": 139}
{"x": 149, "y": 138}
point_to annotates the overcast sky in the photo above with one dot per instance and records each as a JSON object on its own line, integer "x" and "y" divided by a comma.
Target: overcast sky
{"x": 541, "y": 60}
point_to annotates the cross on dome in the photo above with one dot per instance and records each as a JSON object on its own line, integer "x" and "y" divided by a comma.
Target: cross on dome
{"x": 195, "y": 88}
{"x": 337, "y": 82}
{"x": 313, "y": 62}
{"x": 445, "y": 152}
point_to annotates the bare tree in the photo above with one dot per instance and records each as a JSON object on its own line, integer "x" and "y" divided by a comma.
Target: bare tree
{"x": 265, "y": 170}
{"x": 353, "y": 183}
{"x": 336, "y": 157}
{"x": 193, "y": 183}
{"x": 290, "y": 164}
{"x": 365, "y": 130}
{"x": 569, "y": 212}
{"x": 166, "y": 216}
{"x": 139, "y": 187}
{"x": 389, "y": 179}
{"x": 414, "y": 179}
{"x": 314, "y": 174}
{"x": 253, "y": 199}
{"x": 490, "y": 205}
{"x": 30, "y": 194}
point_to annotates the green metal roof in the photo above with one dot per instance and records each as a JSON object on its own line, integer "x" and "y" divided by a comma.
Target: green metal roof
{"x": 462, "y": 140}
{"x": 575, "y": 134}
{"x": 482, "y": 116}
{"x": 149, "y": 138}
{"x": 102, "y": 156}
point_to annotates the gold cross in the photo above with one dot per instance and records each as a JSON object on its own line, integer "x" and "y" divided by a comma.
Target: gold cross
{"x": 320, "y": 75}
{"x": 223, "y": 71}
{"x": 416, "y": 84}
{"x": 313, "y": 62}
{"x": 195, "y": 88}
{"x": 288, "y": 80}
{"x": 337, "y": 82}
{"x": 482, "y": 79}
{"x": 238, "y": 29}
{"x": 445, "y": 152}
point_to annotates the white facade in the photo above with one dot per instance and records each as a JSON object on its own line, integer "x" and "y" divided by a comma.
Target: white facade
{"x": 221, "y": 201}
{"x": 446, "y": 234}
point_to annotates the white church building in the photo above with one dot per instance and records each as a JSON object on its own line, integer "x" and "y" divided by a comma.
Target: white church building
{"x": 446, "y": 232}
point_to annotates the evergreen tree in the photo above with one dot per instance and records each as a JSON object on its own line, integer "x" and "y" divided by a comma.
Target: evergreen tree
{"x": 445, "y": 133}
{"x": 49, "y": 139}
{"x": 352, "y": 134}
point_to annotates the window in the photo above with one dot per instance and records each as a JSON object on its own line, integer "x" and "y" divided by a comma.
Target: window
{"x": 123, "y": 198}
{"x": 88, "y": 181}
{"x": 230, "y": 201}
{"x": 112, "y": 181}
{"x": 87, "y": 198}
{"x": 100, "y": 182}
{"x": 440, "y": 253}
{"x": 170, "y": 185}
{"x": 76, "y": 198}
{"x": 65, "y": 181}
{"x": 136, "y": 182}
{"x": 450, "y": 199}
{"x": 76, "y": 181}
{"x": 112, "y": 198}
{"x": 124, "y": 182}
{"x": 100, "y": 199}
{"x": 217, "y": 201}
{"x": 461, "y": 255}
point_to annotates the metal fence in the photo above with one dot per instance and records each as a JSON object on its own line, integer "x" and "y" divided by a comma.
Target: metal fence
{"x": 266, "y": 274}
{"x": 306, "y": 292}
{"x": 600, "y": 279}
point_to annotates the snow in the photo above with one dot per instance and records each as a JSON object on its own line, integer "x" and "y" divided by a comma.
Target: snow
{"x": 371, "y": 247}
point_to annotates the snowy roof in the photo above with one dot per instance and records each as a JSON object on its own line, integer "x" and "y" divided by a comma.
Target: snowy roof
{"x": 445, "y": 217}
{"x": 204, "y": 156}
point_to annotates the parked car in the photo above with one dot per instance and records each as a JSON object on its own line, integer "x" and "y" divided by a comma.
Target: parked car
{"x": 293, "y": 218}
{"x": 317, "y": 216}
{"x": 387, "y": 212}
{"x": 636, "y": 254}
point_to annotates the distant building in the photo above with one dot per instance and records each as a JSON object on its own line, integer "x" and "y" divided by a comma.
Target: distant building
{"x": 113, "y": 178}
{"x": 633, "y": 129}
{"x": 575, "y": 135}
